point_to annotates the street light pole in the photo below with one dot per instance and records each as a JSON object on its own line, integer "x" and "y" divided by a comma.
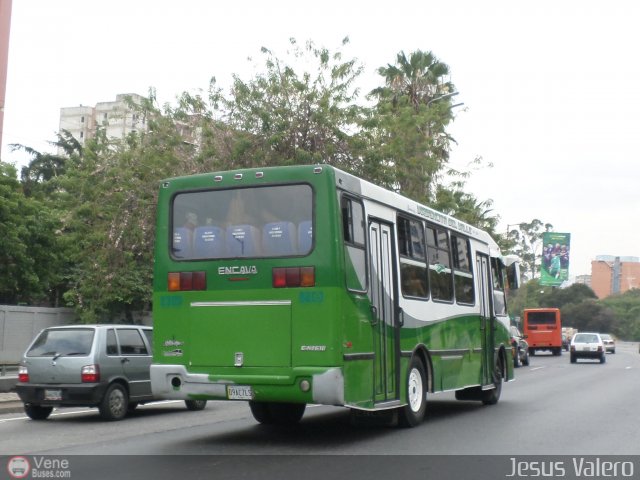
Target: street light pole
{"x": 442, "y": 97}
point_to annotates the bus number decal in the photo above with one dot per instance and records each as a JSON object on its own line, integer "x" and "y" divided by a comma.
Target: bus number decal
{"x": 168, "y": 301}
{"x": 311, "y": 297}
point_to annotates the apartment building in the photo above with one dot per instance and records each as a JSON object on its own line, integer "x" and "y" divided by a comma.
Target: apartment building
{"x": 611, "y": 275}
{"x": 116, "y": 117}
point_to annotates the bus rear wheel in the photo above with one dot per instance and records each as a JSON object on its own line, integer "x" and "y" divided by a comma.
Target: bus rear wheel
{"x": 413, "y": 413}
{"x": 272, "y": 413}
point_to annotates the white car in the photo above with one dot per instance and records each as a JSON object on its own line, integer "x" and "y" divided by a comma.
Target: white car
{"x": 609, "y": 342}
{"x": 587, "y": 345}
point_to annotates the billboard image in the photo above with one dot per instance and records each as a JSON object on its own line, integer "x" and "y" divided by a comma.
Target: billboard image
{"x": 555, "y": 258}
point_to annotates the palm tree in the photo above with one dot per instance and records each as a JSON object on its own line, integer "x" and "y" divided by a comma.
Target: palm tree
{"x": 419, "y": 78}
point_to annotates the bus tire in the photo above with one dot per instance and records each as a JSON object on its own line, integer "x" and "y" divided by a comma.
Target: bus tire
{"x": 270, "y": 413}
{"x": 195, "y": 405}
{"x": 286, "y": 413}
{"x": 261, "y": 412}
{"x": 412, "y": 414}
{"x": 491, "y": 397}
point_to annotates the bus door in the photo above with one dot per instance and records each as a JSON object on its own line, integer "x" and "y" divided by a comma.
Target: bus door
{"x": 383, "y": 308}
{"x": 487, "y": 318}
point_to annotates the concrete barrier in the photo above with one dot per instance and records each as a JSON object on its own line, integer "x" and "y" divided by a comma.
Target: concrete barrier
{"x": 19, "y": 325}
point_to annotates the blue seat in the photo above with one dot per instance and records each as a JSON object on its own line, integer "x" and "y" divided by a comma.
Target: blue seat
{"x": 242, "y": 241}
{"x": 181, "y": 247}
{"x": 208, "y": 242}
{"x": 305, "y": 237}
{"x": 278, "y": 238}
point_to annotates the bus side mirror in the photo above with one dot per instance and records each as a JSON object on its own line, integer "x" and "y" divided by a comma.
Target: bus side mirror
{"x": 513, "y": 276}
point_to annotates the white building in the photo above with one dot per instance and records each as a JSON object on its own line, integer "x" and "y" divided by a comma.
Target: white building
{"x": 116, "y": 117}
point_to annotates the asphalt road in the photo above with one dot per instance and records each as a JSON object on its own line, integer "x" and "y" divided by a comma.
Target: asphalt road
{"x": 553, "y": 408}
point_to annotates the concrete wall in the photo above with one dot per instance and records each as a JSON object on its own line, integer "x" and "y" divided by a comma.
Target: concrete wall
{"x": 19, "y": 325}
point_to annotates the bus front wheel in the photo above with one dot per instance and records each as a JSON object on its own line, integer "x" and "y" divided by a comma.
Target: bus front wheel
{"x": 413, "y": 413}
{"x": 491, "y": 397}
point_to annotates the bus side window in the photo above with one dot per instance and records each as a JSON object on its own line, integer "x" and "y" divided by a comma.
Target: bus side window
{"x": 462, "y": 271}
{"x": 413, "y": 267}
{"x": 440, "y": 274}
{"x": 353, "y": 226}
{"x": 499, "y": 300}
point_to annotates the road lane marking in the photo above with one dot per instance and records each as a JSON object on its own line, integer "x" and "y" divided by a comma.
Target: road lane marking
{"x": 89, "y": 410}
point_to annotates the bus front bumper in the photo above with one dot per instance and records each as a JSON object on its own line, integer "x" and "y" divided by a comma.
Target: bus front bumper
{"x": 306, "y": 385}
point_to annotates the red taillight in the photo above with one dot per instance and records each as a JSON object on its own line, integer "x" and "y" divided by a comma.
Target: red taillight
{"x": 23, "y": 374}
{"x": 185, "y": 281}
{"x": 90, "y": 374}
{"x": 294, "y": 277}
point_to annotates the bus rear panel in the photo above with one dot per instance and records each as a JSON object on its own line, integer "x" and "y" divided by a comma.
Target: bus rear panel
{"x": 543, "y": 330}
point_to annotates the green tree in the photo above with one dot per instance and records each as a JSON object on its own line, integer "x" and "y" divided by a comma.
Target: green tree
{"x": 285, "y": 117}
{"x": 591, "y": 316}
{"x": 407, "y": 128}
{"x": 525, "y": 241}
{"x": 626, "y": 308}
{"x": 29, "y": 252}
{"x": 559, "y": 297}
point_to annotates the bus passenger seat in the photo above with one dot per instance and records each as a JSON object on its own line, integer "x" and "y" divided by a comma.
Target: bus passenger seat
{"x": 278, "y": 238}
{"x": 305, "y": 237}
{"x": 181, "y": 247}
{"x": 242, "y": 241}
{"x": 208, "y": 242}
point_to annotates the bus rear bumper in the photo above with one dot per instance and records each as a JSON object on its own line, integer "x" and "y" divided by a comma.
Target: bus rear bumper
{"x": 176, "y": 383}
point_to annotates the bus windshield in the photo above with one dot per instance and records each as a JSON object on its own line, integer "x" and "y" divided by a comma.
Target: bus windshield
{"x": 255, "y": 222}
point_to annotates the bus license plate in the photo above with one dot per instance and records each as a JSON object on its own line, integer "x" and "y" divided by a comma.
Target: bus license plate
{"x": 239, "y": 392}
{"x": 53, "y": 394}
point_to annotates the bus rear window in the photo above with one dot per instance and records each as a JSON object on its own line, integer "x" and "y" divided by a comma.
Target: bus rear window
{"x": 541, "y": 318}
{"x": 245, "y": 222}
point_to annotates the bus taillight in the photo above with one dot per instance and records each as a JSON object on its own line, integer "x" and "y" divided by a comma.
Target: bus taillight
{"x": 184, "y": 281}
{"x": 294, "y": 277}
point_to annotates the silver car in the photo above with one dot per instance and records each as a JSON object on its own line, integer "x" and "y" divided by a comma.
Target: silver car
{"x": 609, "y": 342}
{"x": 104, "y": 366}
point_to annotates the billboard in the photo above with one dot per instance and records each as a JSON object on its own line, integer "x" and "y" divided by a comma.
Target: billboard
{"x": 555, "y": 258}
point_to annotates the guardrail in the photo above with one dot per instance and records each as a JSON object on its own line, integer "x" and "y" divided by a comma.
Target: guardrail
{"x": 9, "y": 369}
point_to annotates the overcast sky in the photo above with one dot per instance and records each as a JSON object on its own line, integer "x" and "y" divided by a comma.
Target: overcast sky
{"x": 551, "y": 89}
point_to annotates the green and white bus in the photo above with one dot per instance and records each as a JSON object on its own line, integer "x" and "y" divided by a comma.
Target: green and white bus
{"x": 297, "y": 285}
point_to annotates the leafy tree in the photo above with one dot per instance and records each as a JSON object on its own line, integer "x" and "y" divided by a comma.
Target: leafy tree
{"x": 626, "y": 308}
{"x": 524, "y": 242}
{"x": 284, "y": 117}
{"x": 29, "y": 254}
{"x": 590, "y": 315}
